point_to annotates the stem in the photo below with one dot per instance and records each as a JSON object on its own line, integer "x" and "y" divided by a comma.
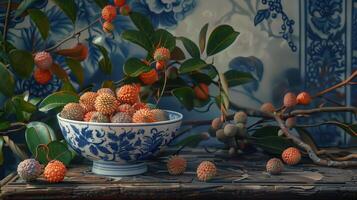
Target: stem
{"x": 7, "y": 15}
{"x": 72, "y": 36}
{"x": 329, "y": 122}
{"x": 163, "y": 87}
{"x": 14, "y": 148}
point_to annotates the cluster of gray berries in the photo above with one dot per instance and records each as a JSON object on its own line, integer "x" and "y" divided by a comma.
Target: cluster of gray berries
{"x": 232, "y": 134}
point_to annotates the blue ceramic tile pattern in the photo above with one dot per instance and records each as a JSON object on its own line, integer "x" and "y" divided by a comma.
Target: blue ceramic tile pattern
{"x": 285, "y": 44}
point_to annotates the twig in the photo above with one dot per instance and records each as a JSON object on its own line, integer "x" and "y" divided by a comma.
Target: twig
{"x": 72, "y": 36}
{"x": 7, "y": 15}
{"x": 12, "y": 128}
{"x": 319, "y": 110}
{"x": 14, "y": 148}
{"x": 326, "y": 123}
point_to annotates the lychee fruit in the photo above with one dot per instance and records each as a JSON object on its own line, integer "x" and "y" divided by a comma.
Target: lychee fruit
{"x": 290, "y": 100}
{"x": 230, "y": 130}
{"x": 128, "y": 94}
{"x": 220, "y": 135}
{"x": 303, "y": 98}
{"x": 140, "y": 105}
{"x": 268, "y": 108}
{"x": 125, "y": 10}
{"x": 73, "y": 111}
{"x": 43, "y": 60}
{"x": 119, "y": 3}
{"x": 55, "y": 171}
{"x": 105, "y": 90}
{"x": 274, "y": 166}
{"x": 206, "y": 171}
{"x": 160, "y": 65}
{"x": 42, "y": 76}
{"x": 144, "y": 116}
{"x": 216, "y": 123}
{"x": 108, "y": 27}
{"x": 126, "y": 108}
{"x": 121, "y": 117}
{"x": 109, "y": 13}
{"x": 160, "y": 115}
{"x": 201, "y": 91}
{"x": 29, "y": 169}
{"x": 241, "y": 130}
{"x": 87, "y": 101}
{"x": 99, "y": 118}
{"x": 162, "y": 54}
{"x": 149, "y": 78}
{"x": 106, "y": 104}
{"x": 88, "y": 116}
{"x": 240, "y": 117}
{"x": 290, "y": 122}
{"x": 176, "y": 165}
{"x": 291, "y": 156}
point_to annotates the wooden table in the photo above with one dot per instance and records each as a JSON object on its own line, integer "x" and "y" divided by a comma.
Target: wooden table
{"x": 239, "y": 178}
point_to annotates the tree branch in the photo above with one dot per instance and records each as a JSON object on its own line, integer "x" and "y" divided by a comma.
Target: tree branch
{"x": 6, "y": 23}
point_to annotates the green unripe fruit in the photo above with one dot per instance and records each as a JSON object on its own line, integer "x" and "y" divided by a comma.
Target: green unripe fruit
{"x": 241, "y": 130}
{"x": 230, "y": 130}
{"x": 220, "y": 135}
{"x": 216, "y": 123}
{"x": 240, "y": 117}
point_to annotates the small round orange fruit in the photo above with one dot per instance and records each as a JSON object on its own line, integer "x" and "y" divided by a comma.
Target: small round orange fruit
{"x": 43, "y": 60}
{"x": 201, "y": 91}
{"x": 291, "y": 156}
{"x": 109, "y": 13}
{"x": 176, "y": 165}
{"x": 149, "y": 78}
{"x": 303, "y": 98}
{"x": 162, "y": 54}
{"x": 55, "y": 171}
{"x": 206, "y": 171}
{"x": 267, "y": 107}
{"x": 108, "y": 27}
{"x": 125, "y": 10}
{"x": 160, "y": 65}
{"x": 42, "y": 76}
{"x": 144, "y": 116}
{"x": 119, "y": 3}
{"x": 290, "y": 100}
{"x": 128, "y": 93}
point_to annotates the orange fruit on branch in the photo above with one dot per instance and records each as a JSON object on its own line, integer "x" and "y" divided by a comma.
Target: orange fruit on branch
{"x": 201, "y": 91}
{"x": 42, "y": 76}
{"x": 303, "y": 98}
{"x": 119, "y": 3}
{"x": 108, "y": 27}
{"x": 150, "y": 77}
{"x": 109, "y": 13}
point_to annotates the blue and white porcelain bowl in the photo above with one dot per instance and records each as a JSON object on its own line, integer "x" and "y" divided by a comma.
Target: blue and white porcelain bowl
{"x": 119, "y": 149}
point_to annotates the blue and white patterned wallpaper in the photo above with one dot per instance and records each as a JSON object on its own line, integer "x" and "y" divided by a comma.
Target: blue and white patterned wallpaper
{"x": 287, "y": 45}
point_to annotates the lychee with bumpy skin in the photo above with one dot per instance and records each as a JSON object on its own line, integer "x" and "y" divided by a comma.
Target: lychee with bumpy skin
{"x": 160, "y": 65}
{"x": 162, "y": 54}
{"x": 119, "y": 3}
{"x": 87, "y": 101}
{"x": 125, "y": 10}
{"x": 230, "y": 130}
{"x": 291, "y": 156}
{"x": 73, "y": 111}
{"x": 106, "y": 104}
{"x": 240, "y": 117}
{"x": 109, "y": 13}
{"x": 290, "y": 122}
{"x": 108, "y": 27}
{"x": 55, "y": 171}
{"x": 99, "y": 118}
{"x": 106, "y": 90}
{"x": 128, "y": 94}
{"x": 149, "y": 78}
{"x": 126, "y": 108}
{"x": 43, "y": 60}
{"x": 88, "y": 116}
{"x": 144, "y": 116}
{"x": 216, "y": 123}
{"x": 206, "y": 171}
{"x": 201, "y": 91}
{"x": 303, "y": 98}
{"x": 42, "y": 76}
{"x": 176, "y": 165}
{"x": 140, "y": 105}
{"x": 241, "y": 130}
{"x": 29, "y": 169}
{"x": 290, "y": 100}
{"x": 160, "y": 115}
{"x": 220, "y": 135}
{"x": 268, "y": 107}
{"x": 121, "y": 117}
{"x": 274, "y": 166}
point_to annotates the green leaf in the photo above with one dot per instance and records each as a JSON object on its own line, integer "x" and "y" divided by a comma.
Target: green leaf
{"x": 1, "y": 152}
{"x": 192, "y": 64}
{"x": 23, "y": 6}
{"x": 22, "y": 62}
{"x": 202, "y": 37}
{"x": 201, "y": 78}
{"x": 4, "y": 125}
{"x": 142, "y": 23}
{"x": 7, "y": 82}
{"x": 69, "y": 8}
{"x": 41, "y": 21}
{"x": 57, "y": 99}
{"x": 190, "y": 46}
{"x": 235, "y": 78}
{"x": 101, "y": 3}
{"x": 190, "y": 141}
{"x": 272, "y": 144}
{"x": 163, "y": 38}
{"x": 39, "y": 133}
{"x": 185, "y": 95}
{"x": 76, "y": 69}
{"x": 105, "y": 63}
{"x": 139, "y": 38}
{"x": 59, "y": 72}
{"x": 266, "y": 131}
{"x": 177, "y": 54}
{"x": 67, "y": 86}
{"x": 197, "y": 103}
{"x": 133, "y": 67}
{"x": 108, "y": 84}
{"x": 23, "y": 106}
{"x": 221, "y": 38}
{"x": 59, "y": 151}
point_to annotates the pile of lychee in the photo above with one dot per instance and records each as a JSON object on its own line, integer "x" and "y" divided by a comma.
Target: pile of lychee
{"x": 232, "y": 134}
{"x": 290, "y": 156}
{"x": 31, "y": 169}
{"x": 109, "y": 13}
{"x": 106, "y": 106}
